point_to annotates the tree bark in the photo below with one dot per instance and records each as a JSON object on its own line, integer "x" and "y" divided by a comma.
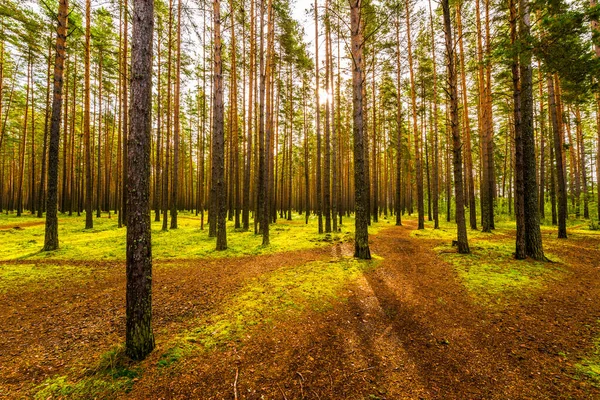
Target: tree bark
{"x": 463, "y": 244}
{"x": 176, "y": 125}
{"x": 417, "y": 156}
{"x": 139, "y": 336}
{"x": 218, "y": 132}
{"x": 51, "y": 234}
{"x": 558, "y": 153}
{"x": 361, "y": 235}
{"x": 533, "y": 234}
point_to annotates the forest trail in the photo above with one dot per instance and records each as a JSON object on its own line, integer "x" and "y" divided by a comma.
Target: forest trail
{"x": 407, "y": 329}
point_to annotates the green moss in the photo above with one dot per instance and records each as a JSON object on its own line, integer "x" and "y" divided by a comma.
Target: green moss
{"x": 491, "y": 273}
{"x": 111, "y": 376}
{"x": 277, "y": 296}
{"x": 173, "y": 355}
{"x": 590, "y": 366}
{"x": 107, "y": 242}
{"x": 30, "y": 277}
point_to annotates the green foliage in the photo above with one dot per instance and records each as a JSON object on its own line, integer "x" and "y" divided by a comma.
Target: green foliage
{"x": 564, "y": 47}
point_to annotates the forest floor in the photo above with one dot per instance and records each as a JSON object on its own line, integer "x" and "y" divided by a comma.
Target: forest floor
{"x": 303, "y": 321}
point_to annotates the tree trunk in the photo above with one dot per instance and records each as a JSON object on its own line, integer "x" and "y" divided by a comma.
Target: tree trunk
{"x": 361, "y": 236}
{"x": 520, "y": 250}
{"x": 417, "y": 156}
{"x": 176, "y": 123}
{"x": 558, "y": 152}
{"x": 399, "y": 160}
{"x": 218, "y": 132}
{"x": 533, "y": 234}
{"x": 463, "y": 244}
{"x": 436, "y": 167}
{"x": 467, "y": 125}
{"x": 51, "y": 234}
{"x": 139, "y": 337}
{"x": 42, "y": 192}
{"x": 318, "y": 121}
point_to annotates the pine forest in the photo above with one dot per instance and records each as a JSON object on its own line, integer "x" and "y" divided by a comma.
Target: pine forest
{"x": 299, "y": 199}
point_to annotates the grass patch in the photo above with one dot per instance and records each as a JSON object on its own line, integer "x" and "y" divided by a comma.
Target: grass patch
{"x": 114, "y": 374}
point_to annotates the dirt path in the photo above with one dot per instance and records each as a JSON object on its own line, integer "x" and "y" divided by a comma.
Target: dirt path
{"x": 407, "y": 330}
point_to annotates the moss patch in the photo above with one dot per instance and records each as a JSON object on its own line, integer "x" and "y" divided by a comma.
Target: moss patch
{"x": 106, "y": 242}
{"x": 274, "y": 297}
{"x": 34, "y": 277}
{"x": 590, "y": 366}
{"x": 111, "y": 376}
{"x": 491, "y": 273}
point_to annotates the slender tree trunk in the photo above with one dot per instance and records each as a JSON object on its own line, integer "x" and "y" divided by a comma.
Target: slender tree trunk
{"x": 51, "y": 234}
{"x": 361, "y": 236}
{"x": 463, "y": 244}
{"x": 98, "y": 149}
{"x": 558, "y": 152}
{"x": 124, "y": 104}
{"x": 436, "y": 167}
{"x": 248, "y": 166}
{"x": 218, "y": 132}
{"x": 399, "y": 160}
{"x": 159, "y": 142}
{"x": 176, "y": 125}
{"x": 467, "y": 124}
{"x": 596, "y": 30}
{"x": 413, "y": 97}
{"x": 166, "y": 175}
{"x": 23, "y": 143}
{"x": 318, "y": 122}
{"x": 42, "y": 192}
{"x": 582, "y": 164}
{"x": 541, "y": 199}
{"x": 308, "y": 208}
{"x": 328, "y": 114}
{"x": 269, "y": 116}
